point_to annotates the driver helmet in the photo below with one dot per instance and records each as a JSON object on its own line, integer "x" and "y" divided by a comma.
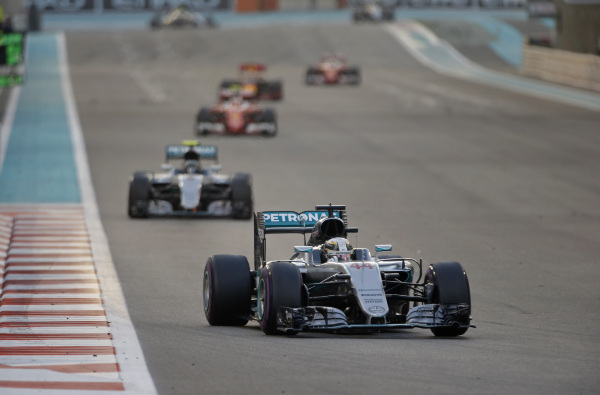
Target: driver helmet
{"x": 337, "y": 249}
{"x": 237, "y": 99}
{"x": 190, "y": 165}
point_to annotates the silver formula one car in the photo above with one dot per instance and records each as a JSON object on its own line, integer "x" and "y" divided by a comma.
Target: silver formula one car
{"x": 191, "y": 189}
{"x": 181, "y": 17}
{"x": 327, "y": 285}
{"x": 373, "y": 10}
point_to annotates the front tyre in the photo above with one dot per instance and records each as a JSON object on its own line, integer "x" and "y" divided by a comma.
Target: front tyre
{"x": 450, "y": 287}
{"x": 279, "y": 285}
{"x": 227, "y": 290}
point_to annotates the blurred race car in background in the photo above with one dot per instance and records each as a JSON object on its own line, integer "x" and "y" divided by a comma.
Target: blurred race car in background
{"x": 251, "y": 85}
{"x": 327, "y": 285}
{"x": 190, "y": 189}
{"x": 333, "y": 69}
{"x": 373, "y": 10}
{"x": 181, "y": 17}
{"x": 236, "y": 117}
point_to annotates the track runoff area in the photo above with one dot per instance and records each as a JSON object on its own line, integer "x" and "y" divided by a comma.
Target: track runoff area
{"x": 64, "y": 324}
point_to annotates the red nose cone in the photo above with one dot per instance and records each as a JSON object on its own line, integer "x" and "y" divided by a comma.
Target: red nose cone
{"x": 235, "y": 121}
{"x": 330, "y": 75}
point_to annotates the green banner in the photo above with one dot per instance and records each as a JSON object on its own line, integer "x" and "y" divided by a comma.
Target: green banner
{"x": 11, "y": 59}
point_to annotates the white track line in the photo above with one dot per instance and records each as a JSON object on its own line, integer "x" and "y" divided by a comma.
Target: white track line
{"x": 130, "y": 357}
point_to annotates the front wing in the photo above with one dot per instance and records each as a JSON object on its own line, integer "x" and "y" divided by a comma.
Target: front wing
{"x": 321, "y": 318}
{"x": 157, "y": 208}
{"x": 251, "y": 128}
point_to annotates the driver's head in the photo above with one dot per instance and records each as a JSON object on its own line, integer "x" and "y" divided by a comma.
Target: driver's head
{"x": 337, "y": 248}
{"x": 191, "y": 160}
{"x": 190, "y": 165}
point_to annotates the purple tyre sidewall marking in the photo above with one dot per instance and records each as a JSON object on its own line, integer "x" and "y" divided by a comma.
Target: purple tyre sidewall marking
{"x": 210, "y": 291}
{"x": 265, "y": 318}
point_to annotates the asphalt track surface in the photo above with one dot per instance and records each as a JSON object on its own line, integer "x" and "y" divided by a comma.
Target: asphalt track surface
{"x": 441, "y": 168}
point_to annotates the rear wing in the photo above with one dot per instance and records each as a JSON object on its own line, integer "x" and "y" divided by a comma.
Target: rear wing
{"x": 205, "y": 151}
{"x": 291, "y": 222}
{"x": 251, "y": 66}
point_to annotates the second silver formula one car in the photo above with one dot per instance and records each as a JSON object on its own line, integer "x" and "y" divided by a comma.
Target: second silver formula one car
{"x": 190, "y": 189}
{"x": 327, "y": 285}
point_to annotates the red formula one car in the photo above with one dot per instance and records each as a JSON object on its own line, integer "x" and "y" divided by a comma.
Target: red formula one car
{"x": 332, "y": 69}
{"x": 251, "y": 85}
{"x": 236, "y": 117}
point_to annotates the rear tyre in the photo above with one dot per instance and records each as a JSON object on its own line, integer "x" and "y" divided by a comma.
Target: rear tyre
{"x": 139, "y": 195}
{"x": 450, "y": 286}
{"x": 241, "y": 196}
{"x": 227, "y": 290}
{"x": 279, "y": 285}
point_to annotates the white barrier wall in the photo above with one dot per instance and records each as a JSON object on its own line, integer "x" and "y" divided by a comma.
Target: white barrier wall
{"x": 569, "y": 68}
{"x": 303, "y": 5}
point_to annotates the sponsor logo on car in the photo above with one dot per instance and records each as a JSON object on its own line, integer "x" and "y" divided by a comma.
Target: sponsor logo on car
{"x": 376, "y": 309}
{"x": 290, "y": 218}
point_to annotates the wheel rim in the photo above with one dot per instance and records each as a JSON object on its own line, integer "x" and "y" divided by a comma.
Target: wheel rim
{"x": 261, "y": 294}
{"x": 206, "y": 291}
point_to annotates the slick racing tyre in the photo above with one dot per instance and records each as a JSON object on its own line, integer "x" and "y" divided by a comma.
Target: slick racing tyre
{"x": 226, "y": 290}
{"x": 241, "y": 196}
{"x": 139, "y": 195}
{"x": 279, "y": 285}
{"x": 450, "y": 287}
{"x": 270, "y": 117}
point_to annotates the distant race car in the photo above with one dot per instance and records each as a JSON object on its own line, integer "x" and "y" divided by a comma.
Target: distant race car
{"x": 181, "y": 17}
{"x": 373, "y": 10}
{"x": 332, "y": 69}
{"x": 327, "y": 285}
{"x": 251, "y": 84}
{"x": 236, "y": 117}
{"x": 190, "y": 189}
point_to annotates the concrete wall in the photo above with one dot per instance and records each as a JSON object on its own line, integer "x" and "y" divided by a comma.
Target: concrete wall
{"x": 565, "y": 67}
